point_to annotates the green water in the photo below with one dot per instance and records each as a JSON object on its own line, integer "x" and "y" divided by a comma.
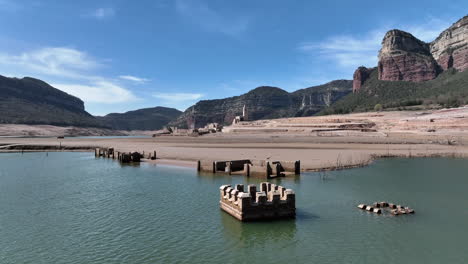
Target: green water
{"x": 73, "y": 208}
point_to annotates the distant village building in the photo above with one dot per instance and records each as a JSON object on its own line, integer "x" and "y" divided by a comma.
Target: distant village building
{"x": 191, "y": 122}
{"x": 243, "y": 117}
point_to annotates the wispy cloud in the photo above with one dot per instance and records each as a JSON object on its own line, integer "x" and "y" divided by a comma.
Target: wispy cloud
{"x": 209, "y": 19}
{"x": 71, "y": 70}
{"x": 134, "y": 78}
{"x": 351, "y": 51}
{"x": 58, "y": 61}
{"x": 98, "y": 92}
{"x": 178, "y": 97}
{"x": 103, "y": 13}
{"x": 178, "y": 100}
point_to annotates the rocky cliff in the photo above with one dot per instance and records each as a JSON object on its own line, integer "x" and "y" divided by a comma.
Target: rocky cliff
{"x": 32, "y": 101}
{"x": 264, "y": 103}
{"x": 360, "y": 76}
{"x": 403, "y": 57}
{"x": 450, "y": 49}
{"x": 143, "y": 119}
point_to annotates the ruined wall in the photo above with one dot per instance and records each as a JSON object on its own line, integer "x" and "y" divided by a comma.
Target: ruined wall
{"x": 272, "y": 201}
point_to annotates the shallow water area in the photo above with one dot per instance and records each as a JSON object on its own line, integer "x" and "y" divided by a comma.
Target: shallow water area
{"x": 74, "y": 208}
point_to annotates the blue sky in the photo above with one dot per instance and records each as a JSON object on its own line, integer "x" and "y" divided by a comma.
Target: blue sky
{"x": 123, "y": 55}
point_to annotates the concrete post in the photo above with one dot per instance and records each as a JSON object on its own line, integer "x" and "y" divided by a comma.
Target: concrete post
{"x": 297, "y": 167}
{"x": 247, "y": 169}
{"x": 261, "y": 198}
{"x": 244, "y": 200}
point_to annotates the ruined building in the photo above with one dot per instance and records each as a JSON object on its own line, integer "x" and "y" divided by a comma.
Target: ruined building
{"x": 271, "y": 202}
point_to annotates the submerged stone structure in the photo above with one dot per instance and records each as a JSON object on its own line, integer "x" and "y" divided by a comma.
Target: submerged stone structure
{"x": 123, "y": 157}
{"x": 390, "y": 208}
{"x": 254, "y": 168}
{"x": 271, "y": 202}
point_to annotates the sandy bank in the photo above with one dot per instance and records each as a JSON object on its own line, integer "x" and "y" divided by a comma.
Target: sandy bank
{"x": 315, "y": 153}
{"x": 326, "y": 142}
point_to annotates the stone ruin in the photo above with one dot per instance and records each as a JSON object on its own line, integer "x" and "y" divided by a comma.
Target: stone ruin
{"x": 123, "y": 157}
{"x": 243, "y": 117}
{"x": 254, "y": 168}
{"x": 271, "y": 202}
{"x": 384, "y": 207}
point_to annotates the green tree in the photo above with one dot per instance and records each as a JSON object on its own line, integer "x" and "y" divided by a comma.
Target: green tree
{"x": 378, "y": 107}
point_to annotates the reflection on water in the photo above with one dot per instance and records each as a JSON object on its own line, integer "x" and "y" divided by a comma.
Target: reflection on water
{"x": 248, "y": 233}
{"x": 74, "y": 208}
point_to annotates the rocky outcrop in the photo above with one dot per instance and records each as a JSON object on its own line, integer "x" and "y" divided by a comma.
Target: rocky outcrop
{"x": 32, "y": 101}
{"x": 450, "y": 49}
{"x": 359, "y": 77}
{"x": 403, "y": 57}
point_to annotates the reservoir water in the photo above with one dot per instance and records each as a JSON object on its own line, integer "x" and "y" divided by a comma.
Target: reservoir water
{"x": 73, "y": 208}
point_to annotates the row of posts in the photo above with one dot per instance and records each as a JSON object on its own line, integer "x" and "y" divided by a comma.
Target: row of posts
{"x": 123, "y": 157}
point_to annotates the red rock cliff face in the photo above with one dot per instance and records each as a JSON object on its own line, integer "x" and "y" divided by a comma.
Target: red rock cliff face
{"x": 450, "y": 49}
{"x": 360, "y": 76}
{"x": 405, "y": 58}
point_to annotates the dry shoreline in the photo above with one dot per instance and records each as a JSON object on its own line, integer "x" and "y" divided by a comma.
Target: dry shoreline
{"x": 316, "y": 154}
{"x": 320, "y": 143}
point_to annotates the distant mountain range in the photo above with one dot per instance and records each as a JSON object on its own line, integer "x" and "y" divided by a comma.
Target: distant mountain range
{"x": 265, "y": 103}
{"x": 143, "y": 119}
{"x": 409, "y": 73}
{"x": 34, "y": 102}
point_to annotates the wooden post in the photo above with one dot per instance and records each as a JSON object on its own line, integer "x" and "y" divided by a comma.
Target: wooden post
{"x": 198, "y": 165}
{"x": 154, "y": 156}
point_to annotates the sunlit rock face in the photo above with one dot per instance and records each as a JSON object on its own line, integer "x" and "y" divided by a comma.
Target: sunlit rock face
{"x": 450, "y": 49}
{"x": 403, "y": 57}
{"x": 359, "y": 77}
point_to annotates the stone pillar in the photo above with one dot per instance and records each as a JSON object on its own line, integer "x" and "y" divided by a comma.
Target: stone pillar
{"x": 222, "y": 191}
{"x": 290, "y": 197}
{"x": 228, "y": 193}
{"x": 252, "y": 189}
{"x": 244, "y": 200}
{"x": 268, "y": 170}
{"x": 297, "y": 167}
{"x": 247, "y": 170}
{"x": 275, "y": 197}
{"x": 234, "y": 194}
{"x": 261, "y": 198}
{"x": 278, "y": 169}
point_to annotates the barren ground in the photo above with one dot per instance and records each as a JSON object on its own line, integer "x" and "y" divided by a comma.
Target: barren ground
{"x": 327, "y": 142}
